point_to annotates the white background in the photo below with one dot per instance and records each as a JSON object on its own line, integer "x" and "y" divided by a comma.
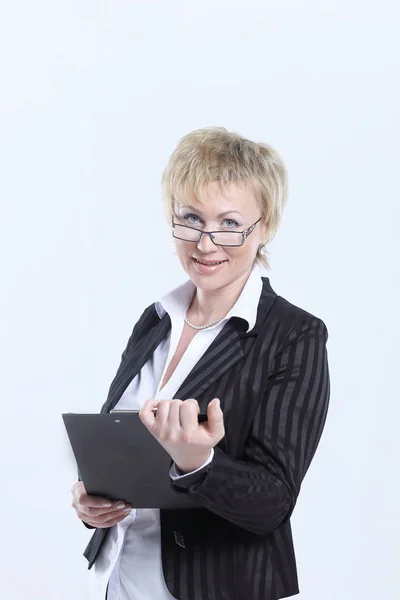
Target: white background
{"x": 94, "y": 97}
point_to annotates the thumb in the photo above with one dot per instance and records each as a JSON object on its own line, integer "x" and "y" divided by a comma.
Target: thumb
{"x": 215, "y": 418}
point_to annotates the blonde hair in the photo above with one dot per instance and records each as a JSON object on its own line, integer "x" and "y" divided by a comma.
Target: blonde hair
{"x": 215, "y": 154}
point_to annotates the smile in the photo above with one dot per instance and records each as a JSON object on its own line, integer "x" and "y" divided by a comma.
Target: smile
{"x": 208, "y": 267}
{"x": 209, "y": 263}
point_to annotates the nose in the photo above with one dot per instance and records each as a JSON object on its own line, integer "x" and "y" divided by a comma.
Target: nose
{"x": 205, "y": 243}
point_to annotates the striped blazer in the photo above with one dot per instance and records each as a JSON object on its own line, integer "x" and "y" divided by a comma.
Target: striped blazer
{"x": 273, "y": 383}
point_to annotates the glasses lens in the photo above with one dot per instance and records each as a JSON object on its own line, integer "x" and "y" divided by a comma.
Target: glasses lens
{"x": 220, "y": 238}
{"x": 185, "y": 233}
{"x": 228, "y": 238}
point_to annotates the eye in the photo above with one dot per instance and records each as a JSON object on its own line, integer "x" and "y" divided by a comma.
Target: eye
{"x": 188, "y": 218}
{"x": 232, "y": 224}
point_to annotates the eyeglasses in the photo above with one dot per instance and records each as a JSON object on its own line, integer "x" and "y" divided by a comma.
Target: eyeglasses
{"x": 219, "y": 238}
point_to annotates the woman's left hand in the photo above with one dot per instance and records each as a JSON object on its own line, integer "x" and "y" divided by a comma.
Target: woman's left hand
{"x": 176, "y": 428}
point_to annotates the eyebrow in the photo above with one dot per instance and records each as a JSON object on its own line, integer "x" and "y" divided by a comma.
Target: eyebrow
{"x": 228, "y": 212}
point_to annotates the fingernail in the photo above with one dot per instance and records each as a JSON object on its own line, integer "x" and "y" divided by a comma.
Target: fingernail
{"x": 127, "y": 510}
{"x": 121, "y": 505}
{"x": 107, "y": 504}
{"x": 217, "y": 404}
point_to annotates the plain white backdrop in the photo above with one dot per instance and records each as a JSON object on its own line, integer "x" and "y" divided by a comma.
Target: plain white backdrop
{"x": 94, "y": 96}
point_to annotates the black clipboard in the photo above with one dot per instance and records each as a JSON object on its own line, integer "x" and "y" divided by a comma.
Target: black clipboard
{"x": 119, "y": 459}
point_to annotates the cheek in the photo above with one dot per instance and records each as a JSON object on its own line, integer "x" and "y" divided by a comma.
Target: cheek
{"x": 249, "y": 250}
{"x": 183, "y": 249}
{"x": 255, "y": 243}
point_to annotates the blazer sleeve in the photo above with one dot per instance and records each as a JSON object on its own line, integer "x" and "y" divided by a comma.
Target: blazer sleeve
{"x": 259, "y": 493}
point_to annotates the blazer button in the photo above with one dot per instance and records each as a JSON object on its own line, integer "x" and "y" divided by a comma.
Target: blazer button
{"x": 179, "y": 539}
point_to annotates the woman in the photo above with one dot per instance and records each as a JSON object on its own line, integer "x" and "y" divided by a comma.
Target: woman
{"x": 222, "y": 343}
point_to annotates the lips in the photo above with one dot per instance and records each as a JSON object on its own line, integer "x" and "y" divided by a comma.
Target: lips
{"x": 208, "y": 268}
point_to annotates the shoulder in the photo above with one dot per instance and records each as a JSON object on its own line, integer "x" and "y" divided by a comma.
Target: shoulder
{"x": 290, "y": 322}
{"x": 147, "y": 319}
{"x": 282, "y": 310}
{"x": 294, "y": 315}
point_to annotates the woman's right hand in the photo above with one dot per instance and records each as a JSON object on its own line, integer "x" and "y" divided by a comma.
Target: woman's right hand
{"x": 95, "y": 510}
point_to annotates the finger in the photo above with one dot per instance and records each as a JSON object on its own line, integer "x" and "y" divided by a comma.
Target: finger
{"x": 81, "y": 497}
{"x": 190, "y": 410}
{"x": 112, "y": 522}
{"x": 162, "y": 416}
{"x": 101, "y": 519}
{"x": 122, "y": 515}
{"x": 96, "y": 512}
{"x": 215, "y": 420}
{"x": 92, "y": 501}
{"x": 146, "y": 413}
{"x": 174, "y": 421}
{"x": 78, "y": 486}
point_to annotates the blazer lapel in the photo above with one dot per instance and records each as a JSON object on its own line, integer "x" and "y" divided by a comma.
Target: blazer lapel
{"x": 224, "y": 352}
{"x": 135, "y": 359}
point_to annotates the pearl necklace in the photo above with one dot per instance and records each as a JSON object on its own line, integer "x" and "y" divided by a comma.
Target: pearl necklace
{"x": 199, "y": 326}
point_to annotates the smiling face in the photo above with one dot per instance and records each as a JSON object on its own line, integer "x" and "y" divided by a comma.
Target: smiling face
{"x": 231, "y": 209}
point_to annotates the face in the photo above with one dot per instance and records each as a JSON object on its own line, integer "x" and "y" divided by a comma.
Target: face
{"x": 231, "y": 209}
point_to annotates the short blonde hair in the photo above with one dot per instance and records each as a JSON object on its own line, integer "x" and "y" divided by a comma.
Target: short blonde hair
{"x": 215, "y": 154}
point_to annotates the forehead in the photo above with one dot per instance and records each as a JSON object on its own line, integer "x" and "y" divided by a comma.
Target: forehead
{"x": 213, "y": 199}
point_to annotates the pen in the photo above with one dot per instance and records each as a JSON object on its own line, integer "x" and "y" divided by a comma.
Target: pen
{"x": 202, "y": 417}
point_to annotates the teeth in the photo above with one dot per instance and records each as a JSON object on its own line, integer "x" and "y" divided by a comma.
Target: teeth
{"x": 210, "y": 264}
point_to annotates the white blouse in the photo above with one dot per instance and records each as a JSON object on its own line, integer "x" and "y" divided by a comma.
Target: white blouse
{"x": 130, "y": 558}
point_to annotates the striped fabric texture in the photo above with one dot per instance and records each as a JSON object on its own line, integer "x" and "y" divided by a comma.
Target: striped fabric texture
{"x": 274, "y": 387}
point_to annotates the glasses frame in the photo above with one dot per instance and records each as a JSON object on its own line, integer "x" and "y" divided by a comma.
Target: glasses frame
{"x": 202, "y": 232}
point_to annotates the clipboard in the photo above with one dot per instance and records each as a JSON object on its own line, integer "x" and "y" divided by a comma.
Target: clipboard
{"x": 119, "y": 459}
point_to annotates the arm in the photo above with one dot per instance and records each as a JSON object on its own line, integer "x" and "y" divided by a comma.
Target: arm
{"x": 175, "y": 473}
{"x": 260, "y": 492}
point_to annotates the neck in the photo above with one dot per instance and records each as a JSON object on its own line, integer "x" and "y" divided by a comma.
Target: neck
{"x": 209, "y": 305}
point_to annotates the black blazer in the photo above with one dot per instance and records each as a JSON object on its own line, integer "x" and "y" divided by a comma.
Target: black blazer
{"x": 273, "y": 383}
